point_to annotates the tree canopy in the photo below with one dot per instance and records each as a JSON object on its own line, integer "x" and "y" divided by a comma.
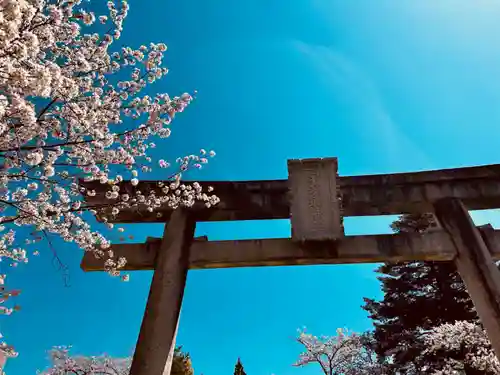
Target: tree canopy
{"x": 238, "y": 368}
{"x": 73, "y": 108}
{"x": 418, "y": 296}
{"x": 63, "y": 363}
{"x": 346, "y": 353}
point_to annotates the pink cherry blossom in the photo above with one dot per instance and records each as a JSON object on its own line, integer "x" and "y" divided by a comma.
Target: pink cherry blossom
{"x": 62, "y": 363}
{"x": 5, "y": 295}
{"x": 342, "y": 354}
{"x": 63, "y": 119}
{"x": 73, "y": 107}
{"x": 459, "y": 348}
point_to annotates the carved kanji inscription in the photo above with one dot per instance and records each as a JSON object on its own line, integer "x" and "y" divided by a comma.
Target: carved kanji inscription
{"x": 314, "y": 200}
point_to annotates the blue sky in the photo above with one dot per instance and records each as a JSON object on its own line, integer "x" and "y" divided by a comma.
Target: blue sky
{"x": 386, "y": 86}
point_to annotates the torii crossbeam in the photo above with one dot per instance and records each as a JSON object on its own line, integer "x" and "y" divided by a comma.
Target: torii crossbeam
{"x": 315, "y": 199}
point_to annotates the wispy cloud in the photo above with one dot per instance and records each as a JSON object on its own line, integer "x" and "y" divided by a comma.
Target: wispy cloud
{"x": 348, "y": 79}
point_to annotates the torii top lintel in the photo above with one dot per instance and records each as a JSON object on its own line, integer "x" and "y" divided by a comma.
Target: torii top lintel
{"x": 381, "y": 194}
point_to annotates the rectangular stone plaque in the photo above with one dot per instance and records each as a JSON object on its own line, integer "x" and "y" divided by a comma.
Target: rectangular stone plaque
{"x": 314, "y": 200}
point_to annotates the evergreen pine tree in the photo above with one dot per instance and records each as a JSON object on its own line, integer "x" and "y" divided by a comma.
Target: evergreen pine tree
{"x": 238, "y": 368}
{"x": 417, "y": 296}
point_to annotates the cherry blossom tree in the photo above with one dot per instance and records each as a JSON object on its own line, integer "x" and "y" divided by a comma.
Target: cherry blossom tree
{"x": 72, "y": 109}
{"x": 459, "y": 348}
{"x": 6, "y": 350}
{"x": 63, "y": 363}
{"x": 342, "y": 354}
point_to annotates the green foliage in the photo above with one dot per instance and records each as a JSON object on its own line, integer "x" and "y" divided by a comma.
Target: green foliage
{"x": 417, "y": 296}
{"x": 414, "y": 223}
{"x": 238, "y": 368}
{"x": 181, "y": 364}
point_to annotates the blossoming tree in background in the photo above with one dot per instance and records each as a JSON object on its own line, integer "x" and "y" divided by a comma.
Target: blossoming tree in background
{"x": 342, "y": 354}
{"x": 456, "y": 349}
{"x": 72, "y": 107}
{"x": 63, "y": 363}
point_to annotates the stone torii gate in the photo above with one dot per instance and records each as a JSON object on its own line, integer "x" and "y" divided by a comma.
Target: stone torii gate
{"x": 316, "y": 199}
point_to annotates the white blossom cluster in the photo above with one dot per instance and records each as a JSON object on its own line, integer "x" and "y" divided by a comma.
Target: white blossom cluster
{"x": 5, "y": 294}
{"x": 72, "y": 109}
{"x": 342, "y": 354}
{"x": 458, "y": 348}
{"x": 6, "y": 351}
{"x": 62, "y": 363}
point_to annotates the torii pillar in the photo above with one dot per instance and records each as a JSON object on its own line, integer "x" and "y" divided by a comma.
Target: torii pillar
{"x": 474, "y": 264}
{"x": 156, "y": 343}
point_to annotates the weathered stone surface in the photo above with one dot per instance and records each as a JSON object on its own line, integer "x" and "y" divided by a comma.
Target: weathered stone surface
{"x": 435, "y": 245}
{"x": 155, "y": 345}
{"x": 314, "y": 200}
{"x": 384, "y": 194}
{"x": 433, "y": 191}
{"x": 475, "y": 265}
